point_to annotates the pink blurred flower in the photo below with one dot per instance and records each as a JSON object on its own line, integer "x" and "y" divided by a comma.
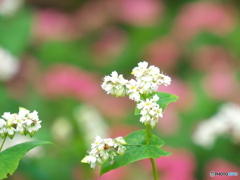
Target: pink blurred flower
{"x": 116, "y": 174}
{"x": 219, "y": 165}
{"x": 109, "y": 46}
{"x": 112, "y": 107}
{"x": 93, "y": 15}
{"x": 50, "y": 24}
{"x": 18, "y": 86}
{"x": 221, "y": 84}
{"x": 199, "y": 16}
{"x": 169, "y": 124}
{"x": 70, "y": 81}
{"x": 137, "y": 12}
{"x": 209, "y": 58}
{"x": 163, "y": 53}
{"x": 186, "y": 95}
{"x": 63, "y": 80}
{"x": 179, "y": 165}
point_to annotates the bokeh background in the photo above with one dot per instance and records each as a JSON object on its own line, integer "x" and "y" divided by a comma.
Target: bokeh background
{"x": 55, "y": 53}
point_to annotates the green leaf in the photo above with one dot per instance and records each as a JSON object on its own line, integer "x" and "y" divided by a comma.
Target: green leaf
{"x": 10, "y": 157}
{"x": 136, "y": 150}
{"x": 165, "y": 99}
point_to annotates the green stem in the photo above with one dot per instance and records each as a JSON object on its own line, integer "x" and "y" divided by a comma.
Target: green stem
{"x": 4, "y": 139}
{"x": 154, "y": 168}
{"x": 147, "y": 134}
{"x": 155, "y": 173}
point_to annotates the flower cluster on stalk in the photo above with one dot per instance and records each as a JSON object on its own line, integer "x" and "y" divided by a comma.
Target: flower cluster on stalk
{"x": 104, "y": 149}
{"x": 150, "y": 111}
{"x": 141, "y": 90}
{"x": 24, "y": 122}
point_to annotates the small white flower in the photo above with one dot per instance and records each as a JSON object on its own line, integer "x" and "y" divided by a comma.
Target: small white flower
{"x": 149, "y": 78}
{"x": 114, "y": 84}
{"x": 139, "y": 71}
{"x": 90, "y": 160}
{"x": 24, "y": 122}
{"x": 2, "y": 123}
{"x": 33, "y": 116}
{"x": 150, "y": 111}
{"x": 120, "y": 140}
{"x": 133, "y": 90}
{"x": 2, "y": 127}
{"x": 23, "y": 112}
{"x": 103, "y": 149}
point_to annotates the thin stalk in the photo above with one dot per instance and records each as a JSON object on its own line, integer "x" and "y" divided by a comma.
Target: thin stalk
{"x": 4, "y": 139}
{"x": 154, "y": 169}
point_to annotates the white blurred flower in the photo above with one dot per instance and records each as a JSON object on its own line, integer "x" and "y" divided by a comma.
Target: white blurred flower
{"x": 90, "y": 122}
{"x": 9, "y": 65}
{"x": 225, "y": 121}
{"x": 150, "y": 111}
{"x": 62, "y": 129}
{"x": 103, "y": 149}
{"x": 9, "y": 7}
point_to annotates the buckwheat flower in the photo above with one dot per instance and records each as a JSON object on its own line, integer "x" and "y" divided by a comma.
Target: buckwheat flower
{"x": 140, "y": 69}
{"x": 165, "y": 80}
{"x": 149, "y": 78}
{"x": 23, "y": 113}
{"x": 24, "y": 122}
{"x": 2, "y": 127}
{"x": 90, "y": 160}
{"x": 120, "y": 140}
{"x": 115, "y": 84}
{"x": 133, "y": 90}
{"x": 150, "y": 111}
{"x": 104, "y": 149}
{"x": 10, "y": 123}
{"x": 32, "y": 123}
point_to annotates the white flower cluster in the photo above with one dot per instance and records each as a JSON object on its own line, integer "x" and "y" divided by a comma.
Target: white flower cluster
{"x": 150, "y": 111}
{"x": 9, "y": 65}
{"x": 90, "y": 128}
{"x": 24, "y": 122}
{"x": 148, "y": 80}
{"x": 103, "y": 149}
{"x": 115, "y": 84}
{"x": 9, "y": 7}
{"x": 226, "y": 121}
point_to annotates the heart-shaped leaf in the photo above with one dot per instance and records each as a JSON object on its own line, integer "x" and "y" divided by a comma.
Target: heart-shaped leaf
{"x": 136, "y": 150}
{"x": 165, "y": 99}
{"x": 10, "y": 157}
